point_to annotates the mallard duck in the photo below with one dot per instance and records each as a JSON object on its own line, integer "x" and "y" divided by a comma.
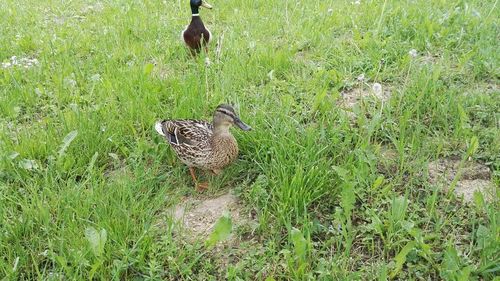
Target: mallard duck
{"x": 204, "y": 145}
{"x": 196, "y": 34}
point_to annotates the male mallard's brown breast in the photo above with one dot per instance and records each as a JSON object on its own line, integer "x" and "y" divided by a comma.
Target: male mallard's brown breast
{"x": 195, "y": 33}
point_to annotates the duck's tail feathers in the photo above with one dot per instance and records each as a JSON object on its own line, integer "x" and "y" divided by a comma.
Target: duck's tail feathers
{"x": 159, "y": 128}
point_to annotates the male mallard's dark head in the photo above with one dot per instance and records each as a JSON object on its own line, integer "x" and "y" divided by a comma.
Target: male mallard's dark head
{"x": 225, "y": 116}
{"x": 195, "y": 4}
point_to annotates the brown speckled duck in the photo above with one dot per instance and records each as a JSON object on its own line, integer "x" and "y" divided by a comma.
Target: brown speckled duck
{"x": 196, "y": 34}
{"x": 204, "y": 145}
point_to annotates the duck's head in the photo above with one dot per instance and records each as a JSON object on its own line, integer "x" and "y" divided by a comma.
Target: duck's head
{"x": 196, "y": 4}
{"x": 225, "y": 117}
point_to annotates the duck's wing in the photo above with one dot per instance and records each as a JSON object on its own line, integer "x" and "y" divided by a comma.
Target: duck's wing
{"x": 185, "y": 132}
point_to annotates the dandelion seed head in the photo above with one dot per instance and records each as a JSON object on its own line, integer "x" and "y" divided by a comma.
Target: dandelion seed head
{"x": 377, "y": 88}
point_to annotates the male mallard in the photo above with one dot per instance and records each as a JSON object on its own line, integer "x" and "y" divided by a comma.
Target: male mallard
{"x": 209, "y": 146}
{"x": 196, "y": 31}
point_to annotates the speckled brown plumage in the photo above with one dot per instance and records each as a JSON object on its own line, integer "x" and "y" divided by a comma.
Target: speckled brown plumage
{"x": 201, "y": 144}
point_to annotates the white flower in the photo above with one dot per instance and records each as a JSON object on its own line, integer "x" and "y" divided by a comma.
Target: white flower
{"x": 357, "y": 2}
{"x": 70, "y": 82}
{"x": 28, "y": 164}
{"x": 361, "y": 77}
{"x": 73, "y": 106}
{"x": 96, "y": 77}
{"x": 413, "y": 53}
{"x": 377, "y": 89}
{"x": 207, "y": 61}
{"x": 330, "y": 11}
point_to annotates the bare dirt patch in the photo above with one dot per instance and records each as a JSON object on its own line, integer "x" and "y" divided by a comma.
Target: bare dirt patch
{"x": 351, "y": 97}
{"x": 198, "y": 216}
{"x": 483, "y": 88}
{"x": 473, "y": 177}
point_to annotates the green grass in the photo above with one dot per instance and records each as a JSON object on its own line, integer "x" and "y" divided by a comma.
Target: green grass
{"x": 84, "y": 179}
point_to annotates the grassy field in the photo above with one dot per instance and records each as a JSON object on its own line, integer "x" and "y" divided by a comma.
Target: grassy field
{"x": 336, "y": 187}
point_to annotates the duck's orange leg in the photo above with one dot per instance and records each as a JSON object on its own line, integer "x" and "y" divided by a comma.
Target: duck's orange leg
{"x": 199, "y": 186}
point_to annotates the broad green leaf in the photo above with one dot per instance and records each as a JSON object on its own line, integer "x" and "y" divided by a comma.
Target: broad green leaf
{"x": 348, "y": 198}
{"x": 451, "y": 261}
{"x": 222, "y": 230}
{"x": 482, "y": 236}
{"x": 378, "y": 182}
{"x": 398, "y": 209}
{"x": 343, "y": 173}
{"x": 451, "y": 266}
{"x": 464, "y": 273}
{"x": 96, "y": 239}
{"x": 148, "y": 68}
{"x": 318, "y": 100}
{"x": 473, "y": 146}
{"x": 401, "y": 258}
{"x": 377, "y": 224}
{"x": 479, "y": 200}
{"x": 92, "y": 161}
{"x": 382, "y": 274}
{"x": 299, "y": 244}
{"x": 67, "y": 141}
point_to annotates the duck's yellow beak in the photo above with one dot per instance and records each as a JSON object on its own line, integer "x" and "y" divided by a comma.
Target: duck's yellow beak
{"x": 205, "y": 4}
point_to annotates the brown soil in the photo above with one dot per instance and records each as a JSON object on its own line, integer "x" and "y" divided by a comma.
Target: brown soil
{"x": 349, "y": 98}
{"x": 473, "y": 177}
{"x": 198, "y": 216}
